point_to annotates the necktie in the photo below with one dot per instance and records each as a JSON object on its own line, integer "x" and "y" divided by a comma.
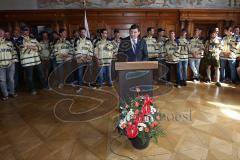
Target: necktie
{"x": 134, "y": 45}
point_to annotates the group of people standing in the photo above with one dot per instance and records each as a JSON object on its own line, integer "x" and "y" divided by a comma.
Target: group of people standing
{"x": 214, "y": 51}
{"x": 25, "y": 54}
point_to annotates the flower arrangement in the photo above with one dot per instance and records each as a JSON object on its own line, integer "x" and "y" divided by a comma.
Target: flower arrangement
{"x": 140, "y": 118}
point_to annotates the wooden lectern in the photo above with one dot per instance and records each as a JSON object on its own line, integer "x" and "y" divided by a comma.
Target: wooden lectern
{"x": 135, "y": 74}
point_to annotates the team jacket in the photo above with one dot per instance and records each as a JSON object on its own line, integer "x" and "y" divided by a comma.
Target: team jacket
{"x": 8, "y": 54}
{"x": 172, "y": 51}
{"x": 104, "y": 51}
{"x": 63, "y": 50}
{"x": 29, "y": 52}
{"x": 196, "y": 48}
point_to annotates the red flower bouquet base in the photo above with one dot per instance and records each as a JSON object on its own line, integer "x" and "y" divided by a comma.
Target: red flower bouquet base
{"x": 140, "y": 142}
{"x": 139, "y": 121}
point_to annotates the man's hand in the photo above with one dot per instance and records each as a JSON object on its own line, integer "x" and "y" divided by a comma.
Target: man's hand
{"x": 226, "y": 54}
{"x": 194, "y": 54}
{"x": 63, "y": 56}
{"x": 34, "y": 48}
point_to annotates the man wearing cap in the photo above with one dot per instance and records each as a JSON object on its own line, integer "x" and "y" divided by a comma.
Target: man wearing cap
{"x": 161, "y": 41}
{"x": 30, "y": 59}
{"x": 8, "y": 57}
{"x": 196, "y": 50}
{"x": 183, "y": 57}
{"x": 151, "y": 44}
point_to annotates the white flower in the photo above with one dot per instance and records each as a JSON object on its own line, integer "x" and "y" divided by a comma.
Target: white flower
{"x": 146, "y": 119}
{"x": 151, "y": 118}
{"x": 142, "y": 125}
{"x": 140, "y": 129}
{"x": 121, "y": 123}
{"x": 128, "y": 117}
{"x": 153, "y": 110}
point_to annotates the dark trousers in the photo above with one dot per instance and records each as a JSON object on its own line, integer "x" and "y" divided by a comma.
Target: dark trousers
{"x": 29, "y": 74}
{"x": 18, "y": 76}
{"x": 172, "y": 68}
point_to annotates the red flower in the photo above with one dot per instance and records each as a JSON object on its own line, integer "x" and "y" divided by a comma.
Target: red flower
{"x": 136, "y": 104}
{"x": 146, "y": 109}
{"x": 146, "y": 130}
{"x": 152, "y": 125}
{"x": 148, "y": 100}
{"x": 132, "y": 131}
{"x": 139, "y": 119}
{"x": 158, "y": 117}
{"x": 124, "y": 125}
{"x": 136, "y": 111}
{"x": 155, "y": 123}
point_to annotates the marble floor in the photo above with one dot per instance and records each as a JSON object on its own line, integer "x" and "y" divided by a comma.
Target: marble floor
{"x": 61, "y": 125}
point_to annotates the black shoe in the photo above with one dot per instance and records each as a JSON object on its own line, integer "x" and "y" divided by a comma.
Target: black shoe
{"x": 208, "y": 81}
{"x": 218, "y": 84}
{"x": 110, "y": 85}
{"x": 235, "y": 82}
{"x": 4, "y": 98}
{"x": 33, "y": 93}
{"x": 178, "y": 86}
{"x": 184, "y": 83}
{"x": 13, "y": 95}
{"x": 181, "y": 83}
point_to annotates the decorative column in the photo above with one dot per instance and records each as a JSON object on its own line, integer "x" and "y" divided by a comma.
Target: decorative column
{"x": 56, "y": 26}
{"x": 190, "y": 28}
{"x": 183, "y": 24}
{"x": 9, "y": 27}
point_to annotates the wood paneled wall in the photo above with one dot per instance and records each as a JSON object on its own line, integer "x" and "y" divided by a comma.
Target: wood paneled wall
{"x": 122, "y": 19}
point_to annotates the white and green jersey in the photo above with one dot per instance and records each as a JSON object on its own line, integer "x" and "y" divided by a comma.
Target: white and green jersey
{"x": 104, "y": 51}
{"x": 116, "y": 43}
{"x": 45, "y": 50}
{"x": 83, "y": 46}
{"x": 151, "y": 46}
{"x": 196, "y": 48}
{"x": 63, "y": 50}
{"x": 213, "y": 48}
{"x": 161, "y": 47}
{"x": 8, "y": 54}
{"x": 183, "y": 44}
{"x": 172, "y": 51}
{"x": 230, "y": 44}
{"x": 29, "y": 52}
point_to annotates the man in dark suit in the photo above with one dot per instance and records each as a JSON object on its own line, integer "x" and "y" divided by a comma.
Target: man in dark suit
{"x": 134, "y": 47}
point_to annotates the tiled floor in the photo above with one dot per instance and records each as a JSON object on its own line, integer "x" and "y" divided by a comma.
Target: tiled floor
{"x": 34, "y": 128}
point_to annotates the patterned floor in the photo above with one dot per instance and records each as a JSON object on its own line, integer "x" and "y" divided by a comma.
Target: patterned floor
{"x": 210, "y": 130}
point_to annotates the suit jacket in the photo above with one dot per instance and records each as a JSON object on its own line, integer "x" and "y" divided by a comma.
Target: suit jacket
{"x": 140, "y": 54}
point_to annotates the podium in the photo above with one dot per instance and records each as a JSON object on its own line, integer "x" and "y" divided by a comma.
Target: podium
{"x": 132, "y": 75}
